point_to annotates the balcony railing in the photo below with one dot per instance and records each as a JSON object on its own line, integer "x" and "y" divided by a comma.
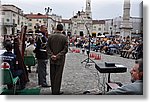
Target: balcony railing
{"x": 10, "y": 24}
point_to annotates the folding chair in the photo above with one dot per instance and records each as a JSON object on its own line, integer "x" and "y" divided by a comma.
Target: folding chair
{"x": 7, "y": 78}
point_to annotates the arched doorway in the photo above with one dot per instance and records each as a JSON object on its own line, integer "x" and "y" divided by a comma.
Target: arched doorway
{"x": 81, "y": 33}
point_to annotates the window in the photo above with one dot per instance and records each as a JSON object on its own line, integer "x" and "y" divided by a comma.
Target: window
{"x": 2, "y": 20}
{"x": 21, "y": 23}
{"x": 29, "y": 24}
{"x": 18, "y": 20}
{"x": 44, "y": 20}
{"x": 14, "y": 15}
{"x": 99, "y": 29}
{"x": 37, "y": 24}
{"x": 7, "y": 20}
{"x": 13, "y": 21}
{"x": 94, "y": 27}
{"x": 3, "y": 13}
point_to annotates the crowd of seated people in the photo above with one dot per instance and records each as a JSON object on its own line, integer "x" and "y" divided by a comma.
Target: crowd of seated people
{"x": 138, "y": 52}
{"x": 108, "y": 47}
{"x": 124, "y": 47}
{"x": 133, "y": 50}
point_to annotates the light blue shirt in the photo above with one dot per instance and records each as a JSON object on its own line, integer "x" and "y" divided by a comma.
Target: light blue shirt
{"x": 135, "y": 88}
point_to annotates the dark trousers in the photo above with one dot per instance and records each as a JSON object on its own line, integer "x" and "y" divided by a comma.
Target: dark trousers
{"x": 56, "y": 77}
{"x": 41, "y": 68}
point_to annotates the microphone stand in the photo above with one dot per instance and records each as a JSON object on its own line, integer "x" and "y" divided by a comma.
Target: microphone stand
{"x": 88, "y": 60}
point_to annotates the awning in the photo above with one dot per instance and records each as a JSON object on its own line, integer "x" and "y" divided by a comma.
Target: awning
{"x": 93, "y": 32}
{"x": 102, "y": 36}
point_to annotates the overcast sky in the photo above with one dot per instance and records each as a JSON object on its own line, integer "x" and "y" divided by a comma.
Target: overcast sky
{"x": 101, "y": 9}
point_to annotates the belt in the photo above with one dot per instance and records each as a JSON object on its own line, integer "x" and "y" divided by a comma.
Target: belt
{"x": 42, "y": 50}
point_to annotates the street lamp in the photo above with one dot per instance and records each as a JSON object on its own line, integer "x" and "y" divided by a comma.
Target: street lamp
{"x": 111, "y": 31}
{"x": 47, "y": 10}
{"x": 115, "y": 29}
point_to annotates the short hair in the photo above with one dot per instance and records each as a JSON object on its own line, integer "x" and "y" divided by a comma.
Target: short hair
{"x": 8, "y": 46}
{"x": 60, "y": 27}
{"x": 140, "y": 62}
{"x": 32, "y": 41}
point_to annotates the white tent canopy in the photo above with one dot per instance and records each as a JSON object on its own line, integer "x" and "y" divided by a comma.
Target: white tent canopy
{"x": 102, "y": 36}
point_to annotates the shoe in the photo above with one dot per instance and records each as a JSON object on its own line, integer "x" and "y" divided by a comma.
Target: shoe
{"x": 86, "y": 92}
{"x": 99, "y": 94}
{"x": 46, "y": 86}
{"x": 60, "y": 93}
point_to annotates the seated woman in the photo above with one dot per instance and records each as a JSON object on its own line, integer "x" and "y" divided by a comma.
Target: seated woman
{"x": 30, "y": 48}
{"x": 29, "y": 53}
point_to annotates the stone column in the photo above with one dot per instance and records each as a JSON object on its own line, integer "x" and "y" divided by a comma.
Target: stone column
{"x": 126, "y": 25}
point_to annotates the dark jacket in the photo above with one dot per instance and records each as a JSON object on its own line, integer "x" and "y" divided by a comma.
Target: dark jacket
{"x": 10, "y": 58}
{"x": 40, "y": 50}
{"x": 57, "y": 45}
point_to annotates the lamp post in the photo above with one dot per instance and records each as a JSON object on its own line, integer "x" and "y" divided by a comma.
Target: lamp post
{"x": 115, "y": 29}
{"x": 111, "y": 31}
{"x": 47, "y": 10}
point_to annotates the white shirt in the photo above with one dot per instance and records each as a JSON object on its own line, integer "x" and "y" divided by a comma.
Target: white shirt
{"x": 29, "y": 50}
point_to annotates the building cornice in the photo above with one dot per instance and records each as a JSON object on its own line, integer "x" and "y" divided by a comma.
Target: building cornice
{"x": 11, "y": 5}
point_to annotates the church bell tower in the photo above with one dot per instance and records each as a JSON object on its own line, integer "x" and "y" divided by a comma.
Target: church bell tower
{"x": 88, "y": 8}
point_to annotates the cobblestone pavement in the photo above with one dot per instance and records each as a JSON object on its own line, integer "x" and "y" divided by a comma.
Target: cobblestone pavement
{"x": 77, "y": 78}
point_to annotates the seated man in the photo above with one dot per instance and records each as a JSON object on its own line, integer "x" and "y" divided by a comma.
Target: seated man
{"x": 138, "y": 51}
{"x": 10, "y": 58}
{"x": 124, "y": 49}
{"x": 128, "y": 52}
{"x": 136, "y": 87}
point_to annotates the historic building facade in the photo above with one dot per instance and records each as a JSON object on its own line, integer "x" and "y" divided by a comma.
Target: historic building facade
{"x": 80, "y": 24}
{"x": 113, "y": 26}
{"x": 36, "y": 20}
{"x": 82, "y": 21}
{"x": 12, "y": 19}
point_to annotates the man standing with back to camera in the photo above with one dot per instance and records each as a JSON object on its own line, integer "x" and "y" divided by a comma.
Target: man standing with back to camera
{"x": 57, "y": 47}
